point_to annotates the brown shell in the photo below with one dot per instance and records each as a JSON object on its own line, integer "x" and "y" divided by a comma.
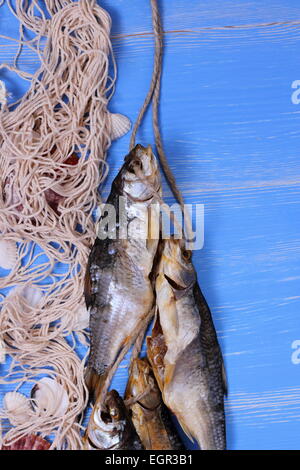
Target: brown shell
{"x": 29, "y": 442}
{"x": 53, "y": 199}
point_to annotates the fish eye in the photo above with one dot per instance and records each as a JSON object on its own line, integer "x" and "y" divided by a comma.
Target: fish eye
{"x": 186, "y": 254}
{"x": 136, "y": 164}
{"x": 105, "y": 416}
{"x": 131, "y": 169}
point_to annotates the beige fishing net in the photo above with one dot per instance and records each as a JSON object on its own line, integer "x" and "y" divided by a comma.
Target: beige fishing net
{"x": 53, "y": 146}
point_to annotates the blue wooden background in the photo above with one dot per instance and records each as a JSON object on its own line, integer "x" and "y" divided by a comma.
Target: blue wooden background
{"x": 231, "y": 134}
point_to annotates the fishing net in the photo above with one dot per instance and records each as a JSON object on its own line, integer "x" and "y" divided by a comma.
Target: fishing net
{"x": 53, "y": 145}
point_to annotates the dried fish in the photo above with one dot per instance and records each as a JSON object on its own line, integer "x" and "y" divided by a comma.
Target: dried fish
{"x": 149, "y": 414}
{"x": 193, "y": 380}
{"x": 110, "y": 427}
{"x": 118, "y": 289}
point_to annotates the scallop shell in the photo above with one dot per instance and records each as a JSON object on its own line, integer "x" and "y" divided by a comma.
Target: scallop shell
{"x": 29, "y": 442}
{"x": 32, "y": 295}
{"x": 83, "y": 318}
{"x": 2, "y": 351}
{"x": 17, "y": 407}
{"x": 3, "y": 93}
{"x": 11, "y": 197}
{"x": 8, "y": 254}
{"x": 120, "y": 125}
{"x": 49, "y": 398}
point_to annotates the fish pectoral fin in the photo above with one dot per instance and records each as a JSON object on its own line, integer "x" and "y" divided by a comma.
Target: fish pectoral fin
{"x": 169, "y": 372}
{"x": 94, "y": 382}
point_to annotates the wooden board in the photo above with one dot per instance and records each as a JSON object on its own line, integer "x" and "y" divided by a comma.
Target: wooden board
{"x": 231, "y": 134}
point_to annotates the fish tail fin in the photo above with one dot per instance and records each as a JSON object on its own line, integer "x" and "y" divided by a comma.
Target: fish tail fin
{"x": 95, "y": 383}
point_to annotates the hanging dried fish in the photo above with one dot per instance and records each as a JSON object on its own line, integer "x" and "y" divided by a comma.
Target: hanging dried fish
{"x": 149, "y": 414}
{"x": 118, "y": 289}
{"x": 193, "y": 379}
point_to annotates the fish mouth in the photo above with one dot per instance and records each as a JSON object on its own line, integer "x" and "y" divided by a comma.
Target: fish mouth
{"x": 174, "y": 284}
{"x": 148, "y": 408}
{"x": 106, "y": 417}
{"x": 136, "y": 153}
{"x": 181, "y": 289}
{"x": 141, "y": 163}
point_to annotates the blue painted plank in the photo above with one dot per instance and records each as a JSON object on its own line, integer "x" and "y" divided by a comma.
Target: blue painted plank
{"x": 231, "y": 133}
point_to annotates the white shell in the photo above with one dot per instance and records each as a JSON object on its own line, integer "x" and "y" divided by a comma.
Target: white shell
{"x": 8, "y": 254}
{"x": 2, "y": 351}
{"x": 3, "y": 93}
{"x": 50, "y": 398}
{"x": 83, "y": 318}
{"x": 32, "y": 295}
{"x": 120, "y": 125}
{"x": 17, "y": 407}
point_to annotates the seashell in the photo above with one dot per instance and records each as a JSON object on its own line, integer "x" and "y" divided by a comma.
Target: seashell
{"x": 32, "y": 295}
{"x": 2, "y": 351}
{"x": 8, "y": 254}
{"x": 120, "y": 125}
{"x": 53, "y": 199}
{"x": 29, "y": 442}
{"x": 83, "y": 318}
{"x": 10, "y": 195}
{"x": 49, "y": 398}
{"x": 3, "y": 93}
{"x": 17, "y": 407}
{"x": 72, "y": 160}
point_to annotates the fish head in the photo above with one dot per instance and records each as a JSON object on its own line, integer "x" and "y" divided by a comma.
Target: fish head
{"x": 142, "y": 385}
{"x": 176, "y": 265}
{"x": 139, "y": 177}
{"x": 114, "y": 408}
{"x": 109, "y": 422}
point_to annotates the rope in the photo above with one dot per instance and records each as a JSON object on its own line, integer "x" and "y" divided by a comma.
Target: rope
{"x": 154, "y": 96}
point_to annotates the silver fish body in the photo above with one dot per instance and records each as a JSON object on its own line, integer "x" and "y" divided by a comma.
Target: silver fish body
{"x": 193, "y": 383}
{"x": 118, "y": 290}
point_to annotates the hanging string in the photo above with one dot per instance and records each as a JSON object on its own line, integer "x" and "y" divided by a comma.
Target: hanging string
{"x": 154, "y": 96}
